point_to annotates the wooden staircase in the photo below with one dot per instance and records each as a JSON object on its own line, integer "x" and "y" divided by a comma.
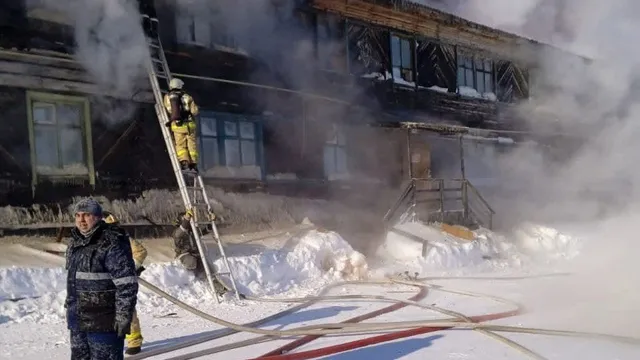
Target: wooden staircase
{"x": 449, "y": 201}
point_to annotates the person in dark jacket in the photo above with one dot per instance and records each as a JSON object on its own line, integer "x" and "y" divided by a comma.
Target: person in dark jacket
{"x": 102, "y": 285}
{"x": 186, "y": 252}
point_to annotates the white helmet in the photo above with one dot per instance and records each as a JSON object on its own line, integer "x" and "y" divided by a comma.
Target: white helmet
{"x": 176, "y": 83}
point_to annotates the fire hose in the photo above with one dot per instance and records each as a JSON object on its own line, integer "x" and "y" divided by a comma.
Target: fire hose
{"x": 410, "y": 328}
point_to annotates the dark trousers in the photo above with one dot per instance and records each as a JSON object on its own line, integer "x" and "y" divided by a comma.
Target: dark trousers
{"x": 96, "y": 346}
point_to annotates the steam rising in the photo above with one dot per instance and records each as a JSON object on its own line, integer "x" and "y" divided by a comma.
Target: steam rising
{"x": 597, "y": 183}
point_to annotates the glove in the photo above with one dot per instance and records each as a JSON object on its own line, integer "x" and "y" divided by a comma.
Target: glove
{"x": 122, "y": 327}
{"x": 139, "y": 270}
{"x": 167, "y": 124}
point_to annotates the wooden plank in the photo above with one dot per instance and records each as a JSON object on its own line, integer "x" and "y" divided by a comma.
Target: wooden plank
{"x": 20, "y": 68}
{"x": 44, "y": 83}
{"x": 458, "y": 231}
{"x": 514, "y": 48}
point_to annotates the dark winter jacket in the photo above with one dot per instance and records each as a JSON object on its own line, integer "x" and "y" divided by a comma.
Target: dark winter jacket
{"x": 102, "y": 285}
{"x": 182, "y": 238}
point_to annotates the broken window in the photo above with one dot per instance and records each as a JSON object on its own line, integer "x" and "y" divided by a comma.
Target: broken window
{"x": 402, "y": 58}
{"x": 59, "y": 137}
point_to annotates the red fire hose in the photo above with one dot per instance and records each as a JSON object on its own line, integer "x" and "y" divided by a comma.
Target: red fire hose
{"x": 329, "y": 350}
{"x": 309, "y": 338}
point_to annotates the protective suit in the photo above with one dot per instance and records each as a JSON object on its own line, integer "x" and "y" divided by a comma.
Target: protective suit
{"x": 139, "y": 253}
{"x": 182, "y": 111}
{"x": 187, "y": 252}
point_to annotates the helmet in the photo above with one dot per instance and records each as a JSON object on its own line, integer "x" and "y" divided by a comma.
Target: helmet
{"x": 176, "y": 83}
{"x": 109, "y": 218}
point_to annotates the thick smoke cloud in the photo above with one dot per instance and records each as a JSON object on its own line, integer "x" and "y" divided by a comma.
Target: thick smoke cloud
{"x": 110, "y": 45}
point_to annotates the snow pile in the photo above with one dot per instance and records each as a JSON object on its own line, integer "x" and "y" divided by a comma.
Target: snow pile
{"x": 317, "y": 257}
{"x": 37, "y": 294}
{"x": 490, "y": 251}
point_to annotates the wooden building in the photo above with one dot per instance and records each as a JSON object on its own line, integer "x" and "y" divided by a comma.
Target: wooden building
{"x": 352, "y": 63}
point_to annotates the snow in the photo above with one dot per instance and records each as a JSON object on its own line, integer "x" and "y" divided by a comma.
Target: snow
{"x": 490, "y": 251}
{"x": 471, "y": 92}
{"x": 318, "y": 257}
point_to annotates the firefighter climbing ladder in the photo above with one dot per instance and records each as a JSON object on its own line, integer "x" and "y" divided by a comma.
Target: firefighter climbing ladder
{"x": 158, "y": 70}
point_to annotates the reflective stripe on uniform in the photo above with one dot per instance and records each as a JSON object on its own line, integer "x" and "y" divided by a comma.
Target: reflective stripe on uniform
{"x": 183, "y": 229}
{"x": 92, "y": 276}
{"x": 125, "y": 280}
{"x": 106, "y": 276}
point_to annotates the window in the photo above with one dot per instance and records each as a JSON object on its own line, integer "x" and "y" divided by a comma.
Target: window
{"x": 402, "y": 59}
{"x": 335, "y": 154}
{"x": 193, "y": 29}
{"x": 239, "y": 143}
{"x": 209, "y": 140}
{"x": 475, "y": 73}
{"x": 228, "y": 140}
{"x": 203, "y": 30}
{"x": 60, "y": 135}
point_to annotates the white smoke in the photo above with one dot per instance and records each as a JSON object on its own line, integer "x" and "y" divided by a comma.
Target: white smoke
{"x": 599, "y": 182}
{"x": 109, "y": 40}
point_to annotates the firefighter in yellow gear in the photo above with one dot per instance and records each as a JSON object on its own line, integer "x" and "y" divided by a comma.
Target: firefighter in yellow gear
{"x": 139, "y": 252}
{"x": 182, "y": 111}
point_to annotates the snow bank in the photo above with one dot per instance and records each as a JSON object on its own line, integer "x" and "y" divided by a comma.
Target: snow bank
{"x": 37, "y": 294}
{"x": 489, "y": 251}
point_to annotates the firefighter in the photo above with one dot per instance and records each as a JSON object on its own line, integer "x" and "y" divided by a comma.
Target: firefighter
{"x": 102, "y": 285}
{"x": 182, "y": 120}
{"x": 187, "y": 252}
{"x": 139, "y": 253}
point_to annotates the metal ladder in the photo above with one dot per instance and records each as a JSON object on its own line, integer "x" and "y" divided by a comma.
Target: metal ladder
{"x": 158, "y": 70}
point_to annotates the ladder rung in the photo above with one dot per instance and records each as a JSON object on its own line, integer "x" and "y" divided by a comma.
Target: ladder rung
{"x": 156, "y": 60}
{"x": 199, "y": 204}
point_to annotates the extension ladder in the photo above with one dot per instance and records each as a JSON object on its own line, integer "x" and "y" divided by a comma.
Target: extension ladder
{"x": 158, "y": 71}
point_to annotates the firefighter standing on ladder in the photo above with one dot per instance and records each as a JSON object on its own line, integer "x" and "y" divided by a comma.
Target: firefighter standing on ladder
{"x": 182, "y": 115}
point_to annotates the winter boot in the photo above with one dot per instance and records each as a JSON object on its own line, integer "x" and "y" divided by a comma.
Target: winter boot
{"x": 184, "y": 165}
{"x": 193, "y": 167}
{"x": 132, "y": 350}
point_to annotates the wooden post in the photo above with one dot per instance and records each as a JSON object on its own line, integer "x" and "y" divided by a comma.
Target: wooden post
{"x": 461, "y": 157}
{"x": 409, "y": 154}
{"x": 463, "y": 184}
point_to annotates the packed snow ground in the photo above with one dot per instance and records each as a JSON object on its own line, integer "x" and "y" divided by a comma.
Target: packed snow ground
{"x": 600, "y": 294}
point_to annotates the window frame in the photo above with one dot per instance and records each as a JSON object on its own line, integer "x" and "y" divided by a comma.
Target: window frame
{"x": 222, "y": 136}
{"x": 476, "y": 71}
{"x": 33, "y": 97}
{"x": 329, "y": 144}
{"x": 216, "y": 39}
{"x": 412, "y": 57}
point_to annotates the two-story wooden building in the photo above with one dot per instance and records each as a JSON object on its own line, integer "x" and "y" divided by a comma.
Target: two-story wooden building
{"x": 350, "y": 64}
